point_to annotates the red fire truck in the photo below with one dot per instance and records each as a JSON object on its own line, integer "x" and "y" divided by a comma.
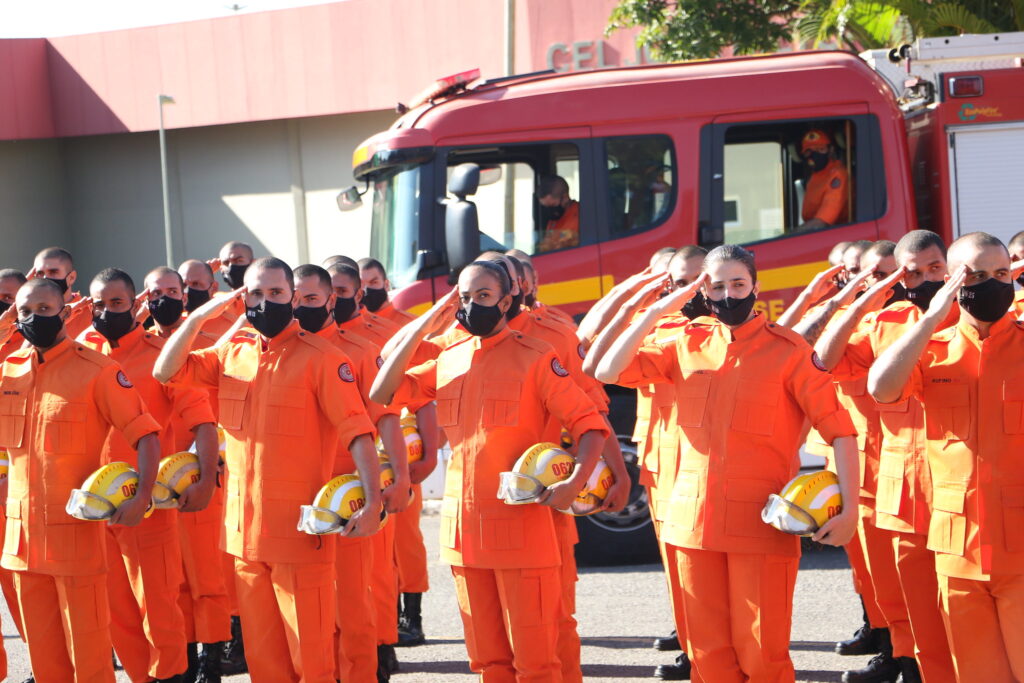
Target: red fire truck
{"x": 931, "y": 134}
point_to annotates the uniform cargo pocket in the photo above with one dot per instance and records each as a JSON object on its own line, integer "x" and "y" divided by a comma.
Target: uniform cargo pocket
{"x": 501, "y": 530}
{"x": 231, "y": 395}
{"x": 683, "y": 503}
{"x": 745, "y": 498}
{"x": 12, "y": 532}
{"x": 538, "y": 600}
{"x": 501, "y": 403}
{"x": 449, "y": 399}
{"x": 948, "y": 417}
{"x": 286, "y": 411}
{"x": 1013, "y": 518}
{"x": 63, "y": 423}
{"x": 947, "y": 532}
{"x": 1013, "y": 406}
{"x": 756, "y": 403}
{"x": 12, "y": 419}
{"x": 692, "y": 398}
{"x": 282, "y": 501}
{"x": 450, "y": 523}
{"x": 890, "y": 482}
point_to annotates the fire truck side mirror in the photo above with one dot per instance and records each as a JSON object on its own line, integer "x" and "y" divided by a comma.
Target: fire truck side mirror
{"x": 461, "y": 223}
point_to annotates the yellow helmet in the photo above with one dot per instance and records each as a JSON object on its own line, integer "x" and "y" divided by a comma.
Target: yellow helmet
{"x": 413, "y": 443}
{"x": 222, "y": 442}
{"x": 536, "y": 469}
{"x": 805, "y": 504}
{"x": 103, "y": 491}
{"x": 590, "y": 499}
{"x": 387, "y": 472}
{"x": 566, "y": 439}
{"x": 5, "y": 464}
{"x": 177, "y": 472}
{"x": 333, "y": 506}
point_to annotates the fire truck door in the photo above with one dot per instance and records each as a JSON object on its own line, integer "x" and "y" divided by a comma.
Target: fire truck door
{"x": 987, "y": 165}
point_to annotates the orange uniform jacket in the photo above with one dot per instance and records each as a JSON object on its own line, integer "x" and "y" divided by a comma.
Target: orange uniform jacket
{"x": 398, "y": 317}
{"x": 494, "y": 396}
{"x": 564, "y": 232}
{"x": 827, "y": 195}
{"x": 376, "y": 332}
{"x": 55, "y": 416}
{"x": 741, "y": 396}
{"x": 283, "y": 409}
{"x": 555, "y": 314}
{"x": 973, "y": 395}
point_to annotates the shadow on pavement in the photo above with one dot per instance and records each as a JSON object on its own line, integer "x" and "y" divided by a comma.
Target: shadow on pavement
{"x": 819, "y": 676}
{"x": 824, "y": 557}
{"x": 617, "y": 671}
{"x": 620, "y": 569}
{"x": 619, "y": 642}
{"x": 812, "y": 646}
{"x": 441, "y": 667}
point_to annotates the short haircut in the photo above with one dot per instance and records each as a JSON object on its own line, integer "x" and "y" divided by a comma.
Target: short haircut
{"x": 345, "y": 270}
{"x": 550, "y": 184}
{"x": 862, "y": 245}
{"x": 160, "y": 271}
{"x": 194, "y": 261}
{"x": 835, "y": 254}
{"x": 108, "y": 275}
{"x": 518, "y": 265}
{"x": 368, "y": 263}
{"x": 979, "y": 240}
{"x": 497, "y": 269}
{"x": 271, "y": 262}
{"x": 1017, "y": 240}
{"x": 519, "y": 254}
{"x": 58, "y": 253}
{"x": 12, "y": 273}
{"x": 665, "y": 250}
{"x": 881, "y": 248}
{"x": 688, "y": 252}
{"x": 43, "y": 283}
{"x": 338, "y": 258}
{"x": 310, "y": 270}
{"x": 916, "y": 241}
{"x": 502, "y": 262}
{"x": 731, "y": 252}
{"x": 234, "y": 244}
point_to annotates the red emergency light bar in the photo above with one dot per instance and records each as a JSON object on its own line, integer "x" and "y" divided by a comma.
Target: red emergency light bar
{"x": 966, "y": 86}
{"x": 445, "y": 86}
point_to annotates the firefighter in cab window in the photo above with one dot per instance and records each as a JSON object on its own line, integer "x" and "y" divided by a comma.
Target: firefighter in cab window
{"x": 560, "y": 215}
{"x": 827, "y": 198}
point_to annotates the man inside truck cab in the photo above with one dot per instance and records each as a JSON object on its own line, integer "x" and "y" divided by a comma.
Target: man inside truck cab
{"x": 560, "y": 215}
{"x": 828, "y": 190}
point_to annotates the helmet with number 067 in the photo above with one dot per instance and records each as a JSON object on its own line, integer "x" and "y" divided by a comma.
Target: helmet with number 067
{"x": 805, "y": 504}
{"x": 103, "y": 491}
{"x": 334, "y": 505}
{"x": 177, "y": 472}
{"x": 591, "y": 498}
{"x": 535, "y": 470}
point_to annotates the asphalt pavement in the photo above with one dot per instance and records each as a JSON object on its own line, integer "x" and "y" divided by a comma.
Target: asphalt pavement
{"x": 620, "y": 611}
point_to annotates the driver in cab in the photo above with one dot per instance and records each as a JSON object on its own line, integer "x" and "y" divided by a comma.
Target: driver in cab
{"x": 560, "y": 215}
{"x": 827, "y": 198}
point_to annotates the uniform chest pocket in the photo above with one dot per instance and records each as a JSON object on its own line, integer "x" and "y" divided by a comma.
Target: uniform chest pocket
{"x": 13, "y": 404}
{"x": 449, "y": 400}
{"x": 692, "y": 394}
{"x": 947, "y": 531}
{"x": 1013, "y": 518}
{"x": 231, "y": 395}
{"x": 286, "y": 411}
{"x": 63, "y": 422}
{"x": 947, "y": 411}
{"x": 1013, "y": 406}
{"x": 755, "y": 406}
{"x": 501, "y": 403}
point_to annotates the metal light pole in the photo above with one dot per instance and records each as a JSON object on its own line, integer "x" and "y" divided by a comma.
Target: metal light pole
{"x": 161, "y": 101}
{"x": 509, "y": 62}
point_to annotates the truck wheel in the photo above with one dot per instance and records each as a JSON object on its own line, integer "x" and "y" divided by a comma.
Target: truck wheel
{"x": 625, "y": 537}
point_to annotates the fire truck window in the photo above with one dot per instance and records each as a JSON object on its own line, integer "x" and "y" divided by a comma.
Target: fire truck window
{"x": 641, "y": 180}
{"x": 504, "y": 204}
{"x": 753, "y": 193}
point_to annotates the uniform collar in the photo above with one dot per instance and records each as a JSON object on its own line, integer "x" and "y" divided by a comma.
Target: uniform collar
{"x": 350, "y": 325}
{"x": 283, "y": 337}
{"x": 126, "y": 343}
{"x": 998, "y": 327}
{"x": 747, "y": 329}
{"x": 328, "y": 331}
{"x": 55, "y": 351}
{"x": 494, "y": 339}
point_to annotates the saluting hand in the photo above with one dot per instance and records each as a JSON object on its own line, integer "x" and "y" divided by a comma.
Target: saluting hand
{"x": 823, "y": 284}
{"x": 943, "y": 300}
{"x": 849, "y": 292}
{"x": 215, "y": 263}
{"x": 217, "y": 305}
{"x": 130, "y": 512}
{"x": 140, "y": 311}
{"x": 441, "y": 314}
{"x": 1016, "y": 268}
{"x": 874, "y": 299}
{"x": 677, "y": 298}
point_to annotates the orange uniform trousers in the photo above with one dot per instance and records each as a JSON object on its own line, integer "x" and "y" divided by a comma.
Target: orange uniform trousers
{"x": 287, "y": 613}
{"x": 739, "y": 612}
{"x": 880, "y": 558}
{"x": 410, "y": 551}
{"x": 510, "y": 619}
{"x": 143, "y": 583}
{"x": 204, "y": 598}
{"x": 671, "y": 566}
{"x": 384, "y": 585}
{"x": 7, "y": 587}
{"x": 985, "y": 626}
{"x": 356, "y": 614}
{"x": 862, "y": 581}
{"x": 227, "y": 565}
{"x": 916, "y": 567}
{"x": 67, "y": 627}
{"x": 568, "y": 635}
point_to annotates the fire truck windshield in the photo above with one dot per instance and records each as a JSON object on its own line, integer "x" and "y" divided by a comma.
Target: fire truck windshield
{"x": 394, "y": 227}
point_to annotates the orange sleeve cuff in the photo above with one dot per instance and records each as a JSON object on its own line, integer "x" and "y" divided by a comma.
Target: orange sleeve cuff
{"x": 592, "y": 422}
{"x": 835, "y": 425}
{"x": 139, "y": 427}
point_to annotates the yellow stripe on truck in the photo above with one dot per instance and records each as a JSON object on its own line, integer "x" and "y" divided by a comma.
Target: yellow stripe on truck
{"x": 790, "y": 276}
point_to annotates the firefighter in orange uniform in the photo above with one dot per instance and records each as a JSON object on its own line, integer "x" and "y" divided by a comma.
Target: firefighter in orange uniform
{"x": 357, "y": 607}
{"x": 496, "y": 390}
{"x": 1016, "y": 249}
{"x": 203, "y": 598}
{"x": 374, "y": 280}
{"x": 200, "y": 287}
{"x": 285, "y": 398}
{"x": 901, "y": 506}
{"x": 348, "y": 312}
{"x": 826, "y": 199}
{"x": 967, "y": 376}
{"x": 145, "y": 566}
{"x": 530, "y": 298}
{"x": 562, "y": 228}
{"x": 72, "y": 396}
{"x": 56, "y": 264}
{"x": 744, "y": 387}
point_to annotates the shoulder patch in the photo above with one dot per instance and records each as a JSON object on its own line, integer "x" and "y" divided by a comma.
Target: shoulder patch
{"x": 837, "y": 182}
{"x": 816, "y": 362}
{"x": 123, "y": 380}
{"x": 345, "y": 373}
{"x": 380, "y": 362}
{"x": 557, "y": 368}
{"x": 945, "y": 336}
{"x": 244, "y": 337}
{"x": 581, "y": 352}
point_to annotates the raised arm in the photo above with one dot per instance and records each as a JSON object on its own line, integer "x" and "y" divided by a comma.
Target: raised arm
{"x": 811, "y": 326}
{"x": 604, "y": 308}
{"x": 889, "y": 375}
{"x": 821, "y": 286}
{"x": 831, "y": 344}
{"x": 623, "y": 316}
{"x": 175, "y": 352}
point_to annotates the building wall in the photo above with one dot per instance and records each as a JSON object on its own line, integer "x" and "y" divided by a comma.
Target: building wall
{"x": 272, "y": 184}
{"x": 32, "y": 200}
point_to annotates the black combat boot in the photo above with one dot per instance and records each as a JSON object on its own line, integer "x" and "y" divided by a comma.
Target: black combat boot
{"x": 232, "y": 658}
{"x": 679, "y": 671}
{"x": 669, "y": 643}
{"x": 387, "y": 659}
{"x": 410, "y": 621}
{"x": 864, "y": 641}
{"x": 909, "y": 670}
{"x": 192, "y": 650}
{"x": 177, "y": 678}
{"x": 882, "y": 668}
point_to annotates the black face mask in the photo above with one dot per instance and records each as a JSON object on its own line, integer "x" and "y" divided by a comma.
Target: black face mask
{"x": 479, "y": 320}
{"x": 269, "y": 318}
{"x": 112, "y": 325}
{"x": 3, "y": 307}
{"x": 899, "y": 293}
{"x": 552, "y": 213}
{"x": 344, "y": 308}
{"x": 817, "y": 160}
{"x": 1020, "y": 279}
{"x": 696, "y": 307}
{"x": 196, "y": 298}
{"x": 312, "y": 319}
{"x": 374, "y": 298}
{"x": 517, "y": 306}
{"x": 531, "y": 300}
{"x": 987, "y": 301}
{"x": 922, "y": 295}
{"x": 166, "y": 311}
{"x": 235, "y": 275}
{"x": 732, "y": 311}
{"x": 41, "y": 330}
{"x": 60, "y": 282}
